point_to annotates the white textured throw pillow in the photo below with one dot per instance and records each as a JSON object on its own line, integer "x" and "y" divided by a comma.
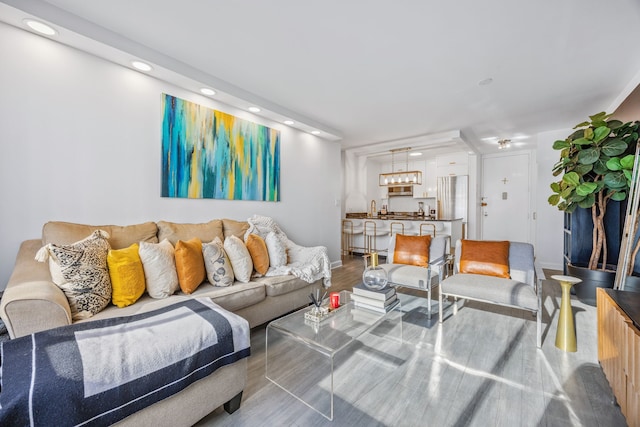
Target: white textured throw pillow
{"x": 81, "y": 271}
{"x": 240, "y": 258}
{"x": 277, "y": 250}
{"x": 159, "y": 264}
{"x": 216, "y": 261}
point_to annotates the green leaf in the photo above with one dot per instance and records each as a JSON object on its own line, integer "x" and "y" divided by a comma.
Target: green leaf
{"x": 614, "y": 164}
{"x": 575, "y": 198}
{"x": 600, "y": 167}
{"x": 588, "y": 134}
{"x": 560, "y": 144}
{"x": 553, "y": 199}
{"x": 582, "y": 141}
{"x": 586, "y": 188}
{"x": 588, "y": 156}
{"x": 599, "y": 117}
{"x": 601, "y": 133}
{"x": 614, "y": 124}
{"x": 619, "y": 196}
{"x": 566, "y": 192}
{"x": 627, "y": 174}
{"x": 588, "y": 201}
{"x": 627, "y": 161}
{"x": 615, "y": 180}
{"x": 572, "y": 179}
{"x": 614, "y": 147}
{"x": 581, "y": 125}
{"x": 583, "y": 169}
{"x": 555, "y": 187}
{"x": 572, "y": 207}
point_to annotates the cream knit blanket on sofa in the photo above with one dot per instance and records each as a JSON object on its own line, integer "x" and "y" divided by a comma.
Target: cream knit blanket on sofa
{"x": 307, "y": 263}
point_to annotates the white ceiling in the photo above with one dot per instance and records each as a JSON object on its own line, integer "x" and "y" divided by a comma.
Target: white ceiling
{"x": 372, "y": 71}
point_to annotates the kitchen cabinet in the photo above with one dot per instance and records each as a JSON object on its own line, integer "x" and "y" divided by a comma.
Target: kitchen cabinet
{"x": 429, "y": 181}
{"x": 452, "y": 164}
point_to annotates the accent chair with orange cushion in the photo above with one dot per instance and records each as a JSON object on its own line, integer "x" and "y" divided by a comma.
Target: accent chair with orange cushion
{"x": 496, "y": 272}
{"x": 416, "y": 262}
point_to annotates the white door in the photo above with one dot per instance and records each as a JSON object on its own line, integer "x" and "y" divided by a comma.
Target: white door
{"x": 505, "y": 200}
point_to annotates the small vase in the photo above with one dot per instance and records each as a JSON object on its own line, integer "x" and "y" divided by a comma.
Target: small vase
{"x": 374, "y": 277}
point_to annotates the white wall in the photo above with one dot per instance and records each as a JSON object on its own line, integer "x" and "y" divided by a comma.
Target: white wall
{"x": 550, "y": 220}
{"x": 80, "y": 141}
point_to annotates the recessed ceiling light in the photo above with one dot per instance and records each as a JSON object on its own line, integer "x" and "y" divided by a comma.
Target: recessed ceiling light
{"x": 254, "y": 109}
{"x": 208, "y": 91}
{"x": 289, "y": 122}
{"x": 315, "y": 132}
{"x": 485, "y": 82}
{"x": 142, "y": 66}
{"x": 415, "y": 154}
{"x": 40, "y": 27}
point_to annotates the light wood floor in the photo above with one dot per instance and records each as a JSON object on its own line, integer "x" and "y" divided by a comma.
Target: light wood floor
{"x": 478, "y": 368}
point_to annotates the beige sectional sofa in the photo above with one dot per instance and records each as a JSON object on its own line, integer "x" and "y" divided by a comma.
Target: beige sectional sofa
{"x": 32, "y": 302}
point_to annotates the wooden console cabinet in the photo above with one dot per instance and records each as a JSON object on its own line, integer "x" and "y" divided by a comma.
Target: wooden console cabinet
{"x": 619, "y": 350}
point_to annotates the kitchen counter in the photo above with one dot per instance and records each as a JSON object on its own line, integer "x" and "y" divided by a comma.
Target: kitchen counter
{"x": 357, "y": 215}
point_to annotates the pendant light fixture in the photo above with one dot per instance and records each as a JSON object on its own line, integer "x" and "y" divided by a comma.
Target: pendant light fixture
{"x": 400, "y": 177}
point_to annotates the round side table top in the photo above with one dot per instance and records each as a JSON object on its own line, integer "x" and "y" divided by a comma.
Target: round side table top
{"x": 568, "y": 279}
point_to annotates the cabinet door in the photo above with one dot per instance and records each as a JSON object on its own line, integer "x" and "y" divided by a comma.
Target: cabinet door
{"x": 453, "y": 164}
{"x": 429, "y": 182}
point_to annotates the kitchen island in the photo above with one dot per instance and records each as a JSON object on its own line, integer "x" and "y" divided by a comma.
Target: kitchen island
{"x": 384, "y": 226}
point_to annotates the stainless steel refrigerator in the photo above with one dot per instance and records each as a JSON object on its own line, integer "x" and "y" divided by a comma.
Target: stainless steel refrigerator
{"x": 453, "y": 197}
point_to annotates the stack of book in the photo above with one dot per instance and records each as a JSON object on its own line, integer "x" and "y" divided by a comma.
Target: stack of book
{"x": 382, "y": 301}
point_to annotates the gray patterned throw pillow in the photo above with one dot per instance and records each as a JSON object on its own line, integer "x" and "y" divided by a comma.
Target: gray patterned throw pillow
{"x": 81, "y": 271}
{"x": 216, "y": 261}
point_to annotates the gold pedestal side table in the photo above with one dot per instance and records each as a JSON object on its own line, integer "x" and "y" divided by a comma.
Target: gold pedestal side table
{"x": 566, "y": 333}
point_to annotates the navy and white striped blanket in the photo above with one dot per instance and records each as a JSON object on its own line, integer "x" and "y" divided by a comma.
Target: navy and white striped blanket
{"x": 96, "y": 373}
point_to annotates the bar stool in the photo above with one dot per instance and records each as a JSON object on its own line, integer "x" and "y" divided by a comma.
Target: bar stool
{"x": 396, "y": 228}
{"x": 427, "y": 228}
{"x": 350, "y": 228}
{"x": 371, "y": 231}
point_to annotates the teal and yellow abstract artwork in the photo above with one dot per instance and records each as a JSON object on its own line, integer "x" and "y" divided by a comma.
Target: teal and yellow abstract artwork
{"x": 207, "y": 154}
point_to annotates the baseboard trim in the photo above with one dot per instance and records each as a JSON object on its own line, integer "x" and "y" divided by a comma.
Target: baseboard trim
{"x": 336, "y": 264}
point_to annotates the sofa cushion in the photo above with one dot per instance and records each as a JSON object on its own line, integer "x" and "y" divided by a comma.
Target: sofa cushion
{"x": 189, "y": 264}
{"x": 120, "y": 237}
{"x": 280, "y": 285}
{"x": 206, "y": 231}
{"x": 259, "y": 254}
{"x": 239, "y": 257}
{"x": 412, "y": 250}
{"x": 81, "y": 271}
{"x": 127, "y": 275}
{"x": 232, "y": 298}
{"x": 217, "y": 264}
{"x": 485, "y": 257}
{"x": 277, "y": 250}
{"x": 158, "y": 262}
{"x": 409, "y": 275}
{"x": 493, "y": 289}
{"x": 235, "y": 228}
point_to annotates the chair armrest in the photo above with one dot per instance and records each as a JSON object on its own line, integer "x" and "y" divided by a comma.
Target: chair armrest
{"x": 32, "y": 302}
{"x": 33, "y": 307}
{"x": 539, "y": 277}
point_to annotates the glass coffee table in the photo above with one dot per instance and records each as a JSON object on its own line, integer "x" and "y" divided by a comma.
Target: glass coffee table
{"x": 300, "y": 353}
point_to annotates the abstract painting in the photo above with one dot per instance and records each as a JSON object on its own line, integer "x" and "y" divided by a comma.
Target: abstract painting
{"x": 207, "y": 154}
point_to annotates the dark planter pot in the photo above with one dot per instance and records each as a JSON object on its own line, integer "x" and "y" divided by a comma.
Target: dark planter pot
{"x": 591, "y": 280}
{"x": 632, "y": 283}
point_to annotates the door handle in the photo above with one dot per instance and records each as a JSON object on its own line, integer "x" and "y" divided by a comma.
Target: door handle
{"x": 483, "y": 204}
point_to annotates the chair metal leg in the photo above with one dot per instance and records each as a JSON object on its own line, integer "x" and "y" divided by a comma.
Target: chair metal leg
{"x": 429, "y": 301}
{"x": 440, "y": 305}
{"x": 455, "y": 305}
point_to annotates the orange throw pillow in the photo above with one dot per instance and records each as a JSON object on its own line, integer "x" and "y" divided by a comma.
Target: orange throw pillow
{"x": 259, "y": 253}
{"x": 488, "y": 258}
{"x": 412, "y": 250}
{"x": 190, "y": 264}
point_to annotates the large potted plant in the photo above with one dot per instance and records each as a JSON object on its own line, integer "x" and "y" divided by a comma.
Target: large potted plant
{"x": 595, "y": 167}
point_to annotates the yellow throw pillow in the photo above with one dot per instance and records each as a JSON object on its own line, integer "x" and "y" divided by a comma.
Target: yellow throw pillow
{"x": 190, "y": 264}
{"x": 259, "y": 254}
{"x": 489, "y": 258}
{"x": 127, "y": 275}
